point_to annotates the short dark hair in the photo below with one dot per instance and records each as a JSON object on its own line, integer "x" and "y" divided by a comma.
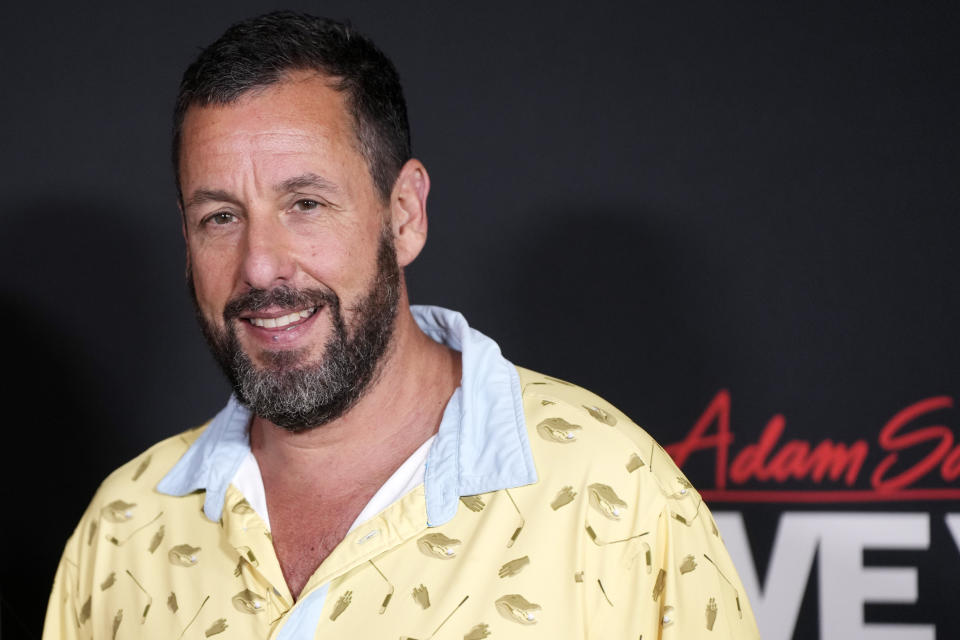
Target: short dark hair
{"x": 261, "y": 51}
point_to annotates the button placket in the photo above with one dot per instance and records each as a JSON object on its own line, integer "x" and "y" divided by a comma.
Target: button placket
{"x": 256, "y": 559}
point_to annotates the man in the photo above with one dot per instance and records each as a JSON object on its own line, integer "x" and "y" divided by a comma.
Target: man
{"x": 381, "y": 470}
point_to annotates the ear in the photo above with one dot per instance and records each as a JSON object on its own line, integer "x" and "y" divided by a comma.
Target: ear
{"x": 408, "y": 211}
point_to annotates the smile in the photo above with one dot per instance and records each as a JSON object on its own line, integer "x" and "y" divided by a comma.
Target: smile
{"x": 283, "y": 321}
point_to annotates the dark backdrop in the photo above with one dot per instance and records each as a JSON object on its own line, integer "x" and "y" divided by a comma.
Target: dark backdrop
{"x": 656, "y": 201}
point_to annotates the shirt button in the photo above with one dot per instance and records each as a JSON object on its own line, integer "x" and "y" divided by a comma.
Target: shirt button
{"x": 368, "y": 536}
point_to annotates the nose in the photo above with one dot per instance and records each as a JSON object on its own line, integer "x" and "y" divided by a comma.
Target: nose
{"x": 268, "y": 259}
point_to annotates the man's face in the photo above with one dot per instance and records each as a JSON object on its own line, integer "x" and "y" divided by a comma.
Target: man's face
{"x": 290, "y": 255}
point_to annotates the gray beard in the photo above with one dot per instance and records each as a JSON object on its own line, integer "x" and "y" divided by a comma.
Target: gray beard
{"x": 299, "y": 396}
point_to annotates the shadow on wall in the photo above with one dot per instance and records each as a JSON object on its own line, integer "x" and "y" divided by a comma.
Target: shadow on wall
{"x": 80, "y": 318}
{"x": 52, "y": 435}
{"x": 605, "y": 300}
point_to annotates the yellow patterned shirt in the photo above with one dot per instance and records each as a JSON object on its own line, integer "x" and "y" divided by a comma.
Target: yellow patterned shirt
{"x": 606, "y": 540}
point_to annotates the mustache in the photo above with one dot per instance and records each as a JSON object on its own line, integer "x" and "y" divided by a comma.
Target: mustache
{"x": 282, "y": 296}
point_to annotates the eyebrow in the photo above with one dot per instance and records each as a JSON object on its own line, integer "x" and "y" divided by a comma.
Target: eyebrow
{"x": 201, "y": 196}
{"x": 290, "y": 185}
{"x": 306, "y": 181}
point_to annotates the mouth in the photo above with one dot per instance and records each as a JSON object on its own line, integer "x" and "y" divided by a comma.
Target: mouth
{"x": 281, "y": 322}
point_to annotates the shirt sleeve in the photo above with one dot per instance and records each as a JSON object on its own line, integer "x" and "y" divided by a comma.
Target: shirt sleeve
{"x": 696, "y": 589}
{"x": 670, "y": 578}
{"x": 63, "y": 611}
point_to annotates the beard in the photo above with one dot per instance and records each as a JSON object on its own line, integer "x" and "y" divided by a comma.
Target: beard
{"x": 297, "y": 395}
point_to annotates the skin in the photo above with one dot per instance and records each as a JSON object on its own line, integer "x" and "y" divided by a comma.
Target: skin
{"x": 276, "y": 193}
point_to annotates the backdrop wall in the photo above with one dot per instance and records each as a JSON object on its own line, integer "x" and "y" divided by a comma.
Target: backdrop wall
{"x": 738, "y": 223}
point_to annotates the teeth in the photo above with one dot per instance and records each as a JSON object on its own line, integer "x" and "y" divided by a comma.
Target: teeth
{"x": 282, "y": 321}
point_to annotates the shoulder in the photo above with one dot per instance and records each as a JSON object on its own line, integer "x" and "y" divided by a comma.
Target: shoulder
{"x": 131, "y": 488}
{"x": 545, "y": 395}
{"x": 140, "y": 475}
{"x": 121, "y": 530}
{"x": 575, "y": 431}
{"x": 648, "y": 526}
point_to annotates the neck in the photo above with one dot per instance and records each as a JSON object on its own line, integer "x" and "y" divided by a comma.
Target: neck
{"x": 400, "y": 410}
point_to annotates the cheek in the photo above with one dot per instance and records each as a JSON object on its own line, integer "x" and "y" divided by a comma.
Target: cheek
{"x": 337, "y": 262}
{"x": 212, "y": 281}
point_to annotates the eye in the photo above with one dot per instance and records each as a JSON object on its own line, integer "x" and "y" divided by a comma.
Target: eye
{"x": 307, "y": 204}
{"x": 219, "y": 218}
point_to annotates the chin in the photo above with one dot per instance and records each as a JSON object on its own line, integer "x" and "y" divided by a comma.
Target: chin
{"x": 279, "y": 360}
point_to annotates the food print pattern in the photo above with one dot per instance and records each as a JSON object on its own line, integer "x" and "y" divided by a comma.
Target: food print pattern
{"x": 611, "y": 542}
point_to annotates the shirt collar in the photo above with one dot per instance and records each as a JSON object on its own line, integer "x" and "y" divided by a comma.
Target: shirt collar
{"x": 481, "y": 445}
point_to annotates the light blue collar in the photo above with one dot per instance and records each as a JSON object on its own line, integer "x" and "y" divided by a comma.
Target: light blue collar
{"x": 481, "y": 445}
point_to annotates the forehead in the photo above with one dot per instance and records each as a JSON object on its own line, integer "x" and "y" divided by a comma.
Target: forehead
{"x": 301, "y": 118}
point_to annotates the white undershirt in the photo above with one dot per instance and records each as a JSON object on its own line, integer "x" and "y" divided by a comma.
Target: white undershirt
{"x": 407, "y": 476}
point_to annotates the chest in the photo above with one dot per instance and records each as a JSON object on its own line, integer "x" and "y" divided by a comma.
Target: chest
{"x": 306, "y": 529}
{"x": 471, "y": 575}
{"x": 465, "y": 578}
